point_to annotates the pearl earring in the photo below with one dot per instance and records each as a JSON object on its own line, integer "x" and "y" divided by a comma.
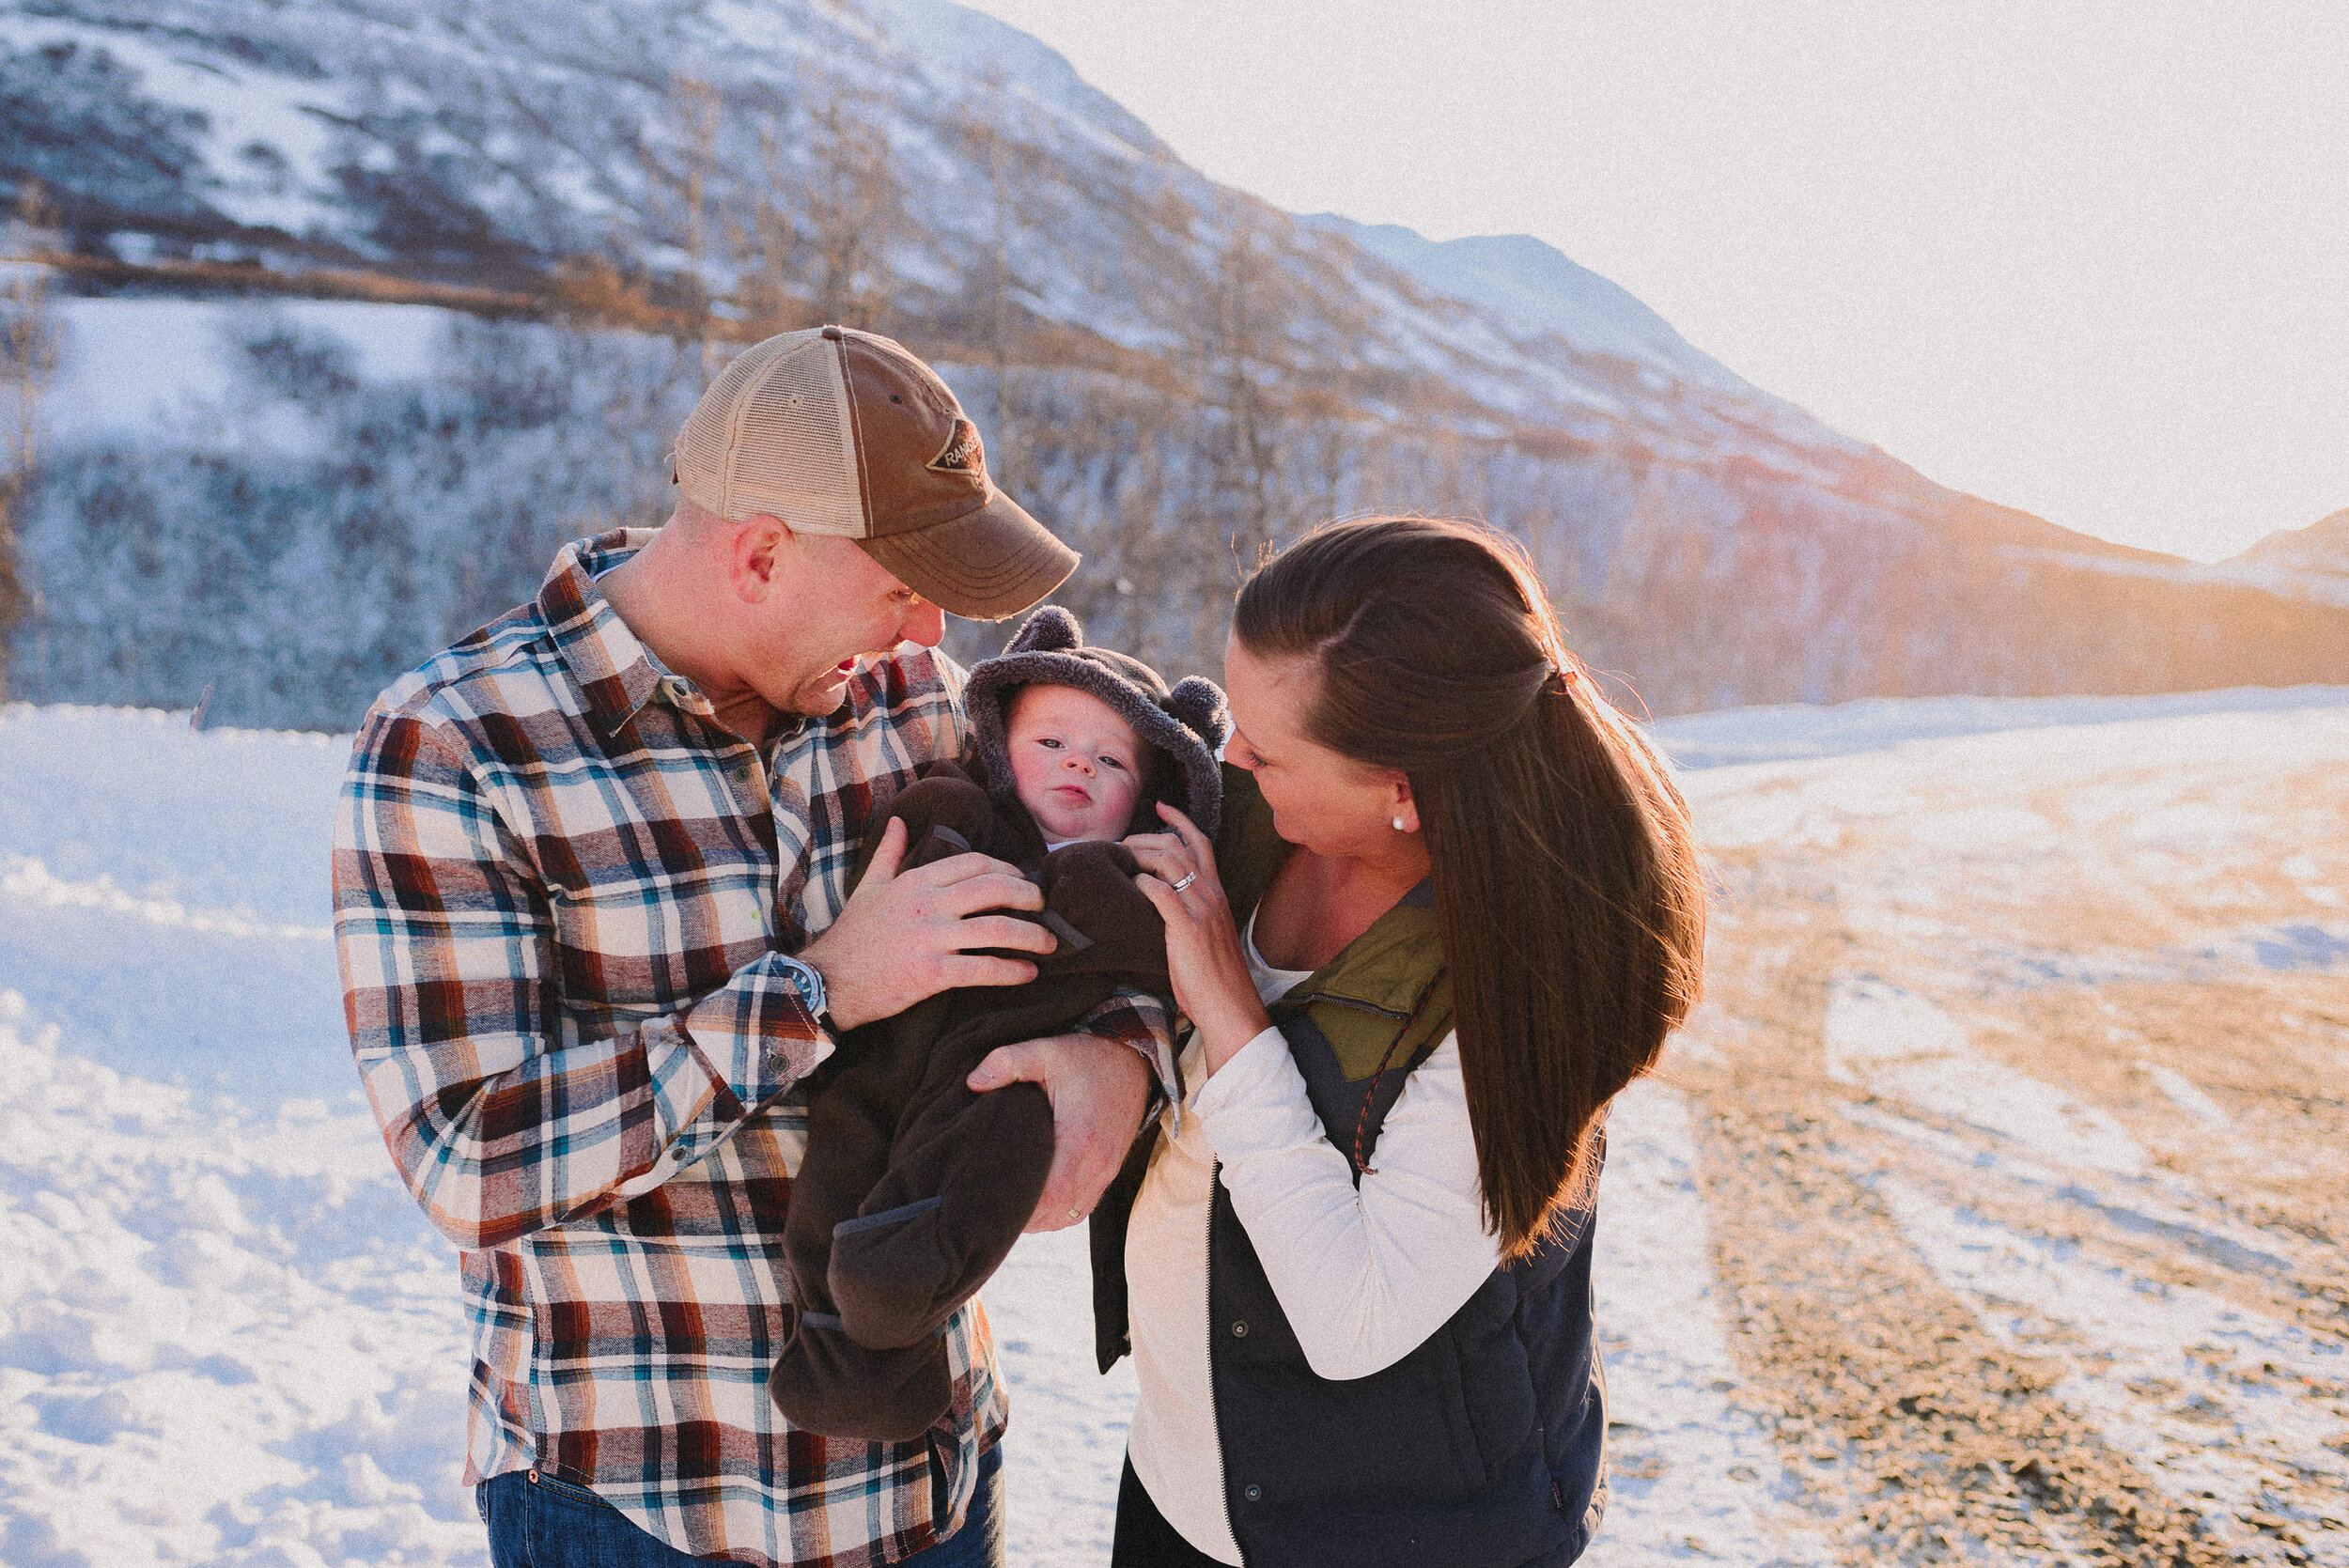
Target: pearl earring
{"x": 1398, "y": 826}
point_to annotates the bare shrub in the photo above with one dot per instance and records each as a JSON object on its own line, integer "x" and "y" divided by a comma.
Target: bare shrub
{"x": 28, "y": 360}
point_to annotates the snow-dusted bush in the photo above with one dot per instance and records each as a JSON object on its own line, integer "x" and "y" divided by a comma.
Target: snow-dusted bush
{"x": 322, "y": 533}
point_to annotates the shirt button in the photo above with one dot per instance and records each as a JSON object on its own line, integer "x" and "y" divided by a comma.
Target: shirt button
{"x": 1239, "y": 1331}
{"x": 1254, "y": 1494}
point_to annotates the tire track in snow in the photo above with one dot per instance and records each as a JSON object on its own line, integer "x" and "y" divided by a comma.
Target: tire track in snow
{"x": 2229, "y": 1412}
{"x": 1693, "y": 1472}
{"x": 2040, "y": 1259}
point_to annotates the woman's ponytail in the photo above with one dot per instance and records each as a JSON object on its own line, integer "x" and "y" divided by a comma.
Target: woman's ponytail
{"x": 1566, "y": 887}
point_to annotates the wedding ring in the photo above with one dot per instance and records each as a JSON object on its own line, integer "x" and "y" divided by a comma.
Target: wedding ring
{"x": 1187, "y": 879}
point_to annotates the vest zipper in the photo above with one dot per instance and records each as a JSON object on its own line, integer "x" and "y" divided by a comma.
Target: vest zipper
{"x": 1215, "y": 1420}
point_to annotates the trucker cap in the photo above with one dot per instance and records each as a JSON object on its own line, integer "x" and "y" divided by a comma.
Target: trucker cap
{"x": 833, "y": 430}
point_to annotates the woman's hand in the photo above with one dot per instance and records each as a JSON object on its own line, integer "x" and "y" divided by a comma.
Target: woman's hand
{"x": 1204, "y": 955}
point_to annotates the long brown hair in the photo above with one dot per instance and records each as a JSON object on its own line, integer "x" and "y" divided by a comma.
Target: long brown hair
{"x": 1567, "y": 894}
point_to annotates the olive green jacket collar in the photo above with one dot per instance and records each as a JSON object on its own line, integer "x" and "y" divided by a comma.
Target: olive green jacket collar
{"x": 1392, "y": 970}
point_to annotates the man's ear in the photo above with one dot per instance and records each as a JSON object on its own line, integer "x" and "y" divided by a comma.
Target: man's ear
{"x": 757, "y": 554}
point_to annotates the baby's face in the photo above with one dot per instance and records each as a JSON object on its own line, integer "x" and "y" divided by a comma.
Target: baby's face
{"x": 1074, "y": 764}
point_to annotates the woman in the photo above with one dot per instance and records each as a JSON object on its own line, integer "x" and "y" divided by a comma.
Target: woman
{"x": 1454, "y": 908}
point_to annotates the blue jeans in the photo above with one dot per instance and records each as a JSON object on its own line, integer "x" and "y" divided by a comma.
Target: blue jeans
{"x": 554, "y": 1524}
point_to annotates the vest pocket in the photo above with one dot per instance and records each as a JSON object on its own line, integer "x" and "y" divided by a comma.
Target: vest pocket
{"x": 1459, "y": 1393}
{"x": 1401, "y": 1435}
{"x": 1497, "y": 1383}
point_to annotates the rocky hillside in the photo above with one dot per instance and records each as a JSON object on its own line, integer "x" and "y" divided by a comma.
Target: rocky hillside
{"x": 1172, "y": 373}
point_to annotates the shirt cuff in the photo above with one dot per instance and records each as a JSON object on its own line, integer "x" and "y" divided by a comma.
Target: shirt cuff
{"x": 1166, "y": 1080}
{"x": 1258, "y": 1071}
{"x": 1141, "y": 1021}
{"x": 756, "y": 1032}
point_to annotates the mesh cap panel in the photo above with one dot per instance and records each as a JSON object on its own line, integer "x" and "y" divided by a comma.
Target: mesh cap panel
{"x": 774, "y": 435}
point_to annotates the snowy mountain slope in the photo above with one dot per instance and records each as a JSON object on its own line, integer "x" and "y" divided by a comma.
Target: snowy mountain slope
{"x": 187, "y": 370}
{"x": 287, "y": 503}
{"x": 487, "y": 144}
{"x": 1171, "y": 372}
{"x": 2307, "y": 564}
{"x": 2019, "y": 1036}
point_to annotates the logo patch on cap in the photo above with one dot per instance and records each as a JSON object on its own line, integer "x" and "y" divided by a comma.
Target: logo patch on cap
{"x": 964, "y": 453}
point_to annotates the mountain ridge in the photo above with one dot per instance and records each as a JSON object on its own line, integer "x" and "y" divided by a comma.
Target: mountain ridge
{"x": 1537, "y": 288}
{"x": 1179, "y": 373}
{"x": 2311, "y": 563}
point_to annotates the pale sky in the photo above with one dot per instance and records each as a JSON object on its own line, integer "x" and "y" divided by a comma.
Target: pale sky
{"x": 2087, "y": 258}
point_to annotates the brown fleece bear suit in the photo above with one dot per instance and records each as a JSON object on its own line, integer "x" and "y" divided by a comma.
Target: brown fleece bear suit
{"x": 913, "y": 1186}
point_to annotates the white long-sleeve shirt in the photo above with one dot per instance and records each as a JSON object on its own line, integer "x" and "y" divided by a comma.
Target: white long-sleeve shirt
{"x": 1365, "y": 1274}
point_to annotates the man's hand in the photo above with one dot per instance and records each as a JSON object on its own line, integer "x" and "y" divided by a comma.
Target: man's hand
{"x": 902, "y": 939}
{"x": 1097, "y": 1088}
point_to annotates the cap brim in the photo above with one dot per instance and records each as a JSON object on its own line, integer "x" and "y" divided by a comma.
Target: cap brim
{"x": 984, "y": 565}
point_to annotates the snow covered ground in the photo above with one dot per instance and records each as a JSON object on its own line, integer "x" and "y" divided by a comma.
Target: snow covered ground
{"x": 1782, "y": 733}
{"x": 2035, "y": 1036}
{"x": 2020, "y": 1072}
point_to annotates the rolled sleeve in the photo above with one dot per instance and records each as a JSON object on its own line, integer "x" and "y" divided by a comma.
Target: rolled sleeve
{"x": 1144, "y": 1023}
{"x": 755, "y": 1033}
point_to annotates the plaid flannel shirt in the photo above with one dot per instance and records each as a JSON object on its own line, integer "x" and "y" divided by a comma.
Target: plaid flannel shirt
{"x": 560, "y": 889}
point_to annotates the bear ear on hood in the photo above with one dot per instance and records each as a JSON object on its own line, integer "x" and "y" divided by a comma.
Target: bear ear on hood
{"x": 1199, "y": 704}
{"x": 1050, "y": 629}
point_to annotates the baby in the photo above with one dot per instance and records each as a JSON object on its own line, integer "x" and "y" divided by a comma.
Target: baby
{"x": 913, "y": 1187}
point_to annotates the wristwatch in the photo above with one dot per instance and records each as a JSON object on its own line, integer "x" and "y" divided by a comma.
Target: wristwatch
{"x": 811, "y": 985}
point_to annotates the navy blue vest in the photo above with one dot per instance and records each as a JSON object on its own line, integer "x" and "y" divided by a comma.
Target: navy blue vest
{"x": 1484, "y": 1448}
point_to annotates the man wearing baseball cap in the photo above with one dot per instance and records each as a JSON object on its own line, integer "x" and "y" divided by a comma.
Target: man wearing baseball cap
{"x": 589, "y": 876}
